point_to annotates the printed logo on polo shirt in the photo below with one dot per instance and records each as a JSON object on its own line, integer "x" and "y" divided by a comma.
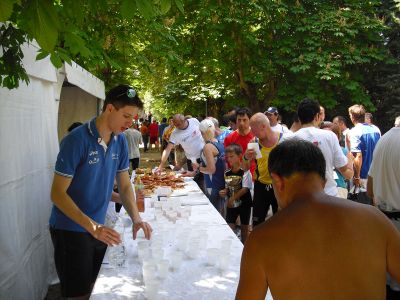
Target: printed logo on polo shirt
{"x": 115, "y": 156}
{"x": 95, "y": 159}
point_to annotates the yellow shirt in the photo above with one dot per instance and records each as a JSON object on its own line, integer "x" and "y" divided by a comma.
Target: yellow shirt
{"x": 261, "y": 173}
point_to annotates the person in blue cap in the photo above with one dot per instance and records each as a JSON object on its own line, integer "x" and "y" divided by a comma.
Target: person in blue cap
{"x": 272, "y": 114}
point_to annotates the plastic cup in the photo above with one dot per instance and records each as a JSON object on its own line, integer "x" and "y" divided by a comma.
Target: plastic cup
{"x": 149, "y": 272}
{"x": 144, "y": 253}
{"x": 152, "y": 287}
{"x": 226, "y": 246}
{"x": 157, "y": 205}
{"x": 181, "y": 241}
{"x": 176, "y": 260}
{"x": 212, "y": 256}
{"x": 163, "y": 266}
{"x": 158, "y": 253}
{"x": 194, "y": 249}
{"x": 224, "y": 262}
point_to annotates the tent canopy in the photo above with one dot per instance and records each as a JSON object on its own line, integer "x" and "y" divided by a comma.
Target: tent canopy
{"x": 30, "y": 143}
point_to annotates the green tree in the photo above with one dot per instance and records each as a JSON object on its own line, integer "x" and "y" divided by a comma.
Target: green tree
{"x": 263, "y": 52}
{"x": 383, "y": 80}
{"x": 101, "y": 35}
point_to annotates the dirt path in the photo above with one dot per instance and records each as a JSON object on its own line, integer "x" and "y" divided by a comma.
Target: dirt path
{"x": 149, "y": 159}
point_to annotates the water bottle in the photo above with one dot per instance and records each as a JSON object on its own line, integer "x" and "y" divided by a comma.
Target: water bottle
{"x": 117, "y": 253}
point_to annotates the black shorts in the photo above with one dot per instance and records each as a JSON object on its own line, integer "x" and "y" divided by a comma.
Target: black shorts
{"x": 264, "y": 197}
{"x": 243, "y": 211}
{"x": 78, "y": 257}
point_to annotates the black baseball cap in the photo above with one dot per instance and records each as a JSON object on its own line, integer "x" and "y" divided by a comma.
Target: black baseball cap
{"x": 271, "y": 110}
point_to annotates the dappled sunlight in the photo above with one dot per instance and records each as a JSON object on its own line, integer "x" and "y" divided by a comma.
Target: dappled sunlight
{"x": 120, "y": 285}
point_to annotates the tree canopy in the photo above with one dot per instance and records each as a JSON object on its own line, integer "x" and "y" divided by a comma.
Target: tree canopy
{"x": 185, "y": 54}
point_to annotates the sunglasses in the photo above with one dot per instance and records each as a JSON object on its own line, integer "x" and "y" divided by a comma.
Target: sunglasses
{"x": 130, "y": 93}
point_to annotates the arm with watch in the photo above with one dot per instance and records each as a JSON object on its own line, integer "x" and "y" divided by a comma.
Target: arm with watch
{"x": 248, "y": 156}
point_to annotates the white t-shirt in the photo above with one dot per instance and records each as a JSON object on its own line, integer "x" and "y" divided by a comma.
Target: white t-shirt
{"x": 134, "y": 139}
{"x": 385, "y": 169}
{"x": 190, "y": 139}
{"x": 286, "y": 133}
{"x": 247, "y": 180}
{"x": 328, "y": 143}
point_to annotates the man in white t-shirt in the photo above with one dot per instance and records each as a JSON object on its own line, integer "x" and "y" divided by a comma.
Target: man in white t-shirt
{"x": 309, "y": 115}
{"x": 383, "y": 184}
{"x": 383, "y": 176}
{"x": 273, "y": 116}
{"x": 188, "y": 135}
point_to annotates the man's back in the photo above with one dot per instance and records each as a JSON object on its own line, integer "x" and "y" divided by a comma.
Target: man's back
{"x": 134, "y": 139}
{"x": 326, "y": 249}
{"x": 329, "y": 145}
{"x": 363, "y": 138}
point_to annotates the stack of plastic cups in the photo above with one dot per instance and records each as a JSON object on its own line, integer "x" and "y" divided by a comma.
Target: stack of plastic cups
{"x": 163, "y": 266}
{"x": 150, "y": 279}
{"x": 213, "y": 255}
{"x": 181, "y": 241}
{"x": 144, "y": 250}
{"x": 176, "y": 260}
{"x": 194, "y": 248}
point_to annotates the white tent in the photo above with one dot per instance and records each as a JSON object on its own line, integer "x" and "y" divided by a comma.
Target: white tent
{"x": 31, "y": 119}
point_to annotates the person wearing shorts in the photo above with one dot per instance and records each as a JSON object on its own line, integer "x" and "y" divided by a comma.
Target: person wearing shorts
{"x": 90, "y": 158}
{"x": 264, "y": 196}
{"x": 238, "y": 183}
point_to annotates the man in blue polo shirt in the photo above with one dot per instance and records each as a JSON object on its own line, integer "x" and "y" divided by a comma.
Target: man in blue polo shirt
{"x": 90, "y": 158}
{"x": 363, "y": 139}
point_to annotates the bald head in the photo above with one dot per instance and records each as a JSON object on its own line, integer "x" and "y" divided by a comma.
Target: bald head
{"x": 179, "y": 121}
{"x": 260, "y": 126}
{"x": 259, "y": 119}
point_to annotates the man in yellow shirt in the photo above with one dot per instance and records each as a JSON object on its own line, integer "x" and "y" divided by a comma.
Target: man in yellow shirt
{"x": 263, "y": 192}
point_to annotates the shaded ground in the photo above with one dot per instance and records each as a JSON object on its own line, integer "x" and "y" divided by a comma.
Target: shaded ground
{"x": 149, "y": 159}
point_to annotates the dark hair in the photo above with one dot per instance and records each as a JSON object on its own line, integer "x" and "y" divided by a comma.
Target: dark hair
{"x": 307, "y": 110}
{"x": 369, "y": 116}
{"x": 243, "y": 111}
{"x": 234, "y": 148}
{"x": 73, "y": 126}
{"x": 296, "y": 117}
{"x": 296, "y": 155}
{"x": 164, "y": 120}
{"x": 341, "y": 119}
{"x": 122, "y": 95}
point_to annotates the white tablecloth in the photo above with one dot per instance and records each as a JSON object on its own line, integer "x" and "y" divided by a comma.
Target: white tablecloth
{"x": 194, "y": 279}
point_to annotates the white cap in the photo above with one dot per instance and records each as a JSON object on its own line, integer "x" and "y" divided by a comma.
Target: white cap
{"x": 206, "y": 125}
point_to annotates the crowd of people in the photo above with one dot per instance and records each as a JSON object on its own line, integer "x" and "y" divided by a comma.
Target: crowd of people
{"x": 256, "y": 163}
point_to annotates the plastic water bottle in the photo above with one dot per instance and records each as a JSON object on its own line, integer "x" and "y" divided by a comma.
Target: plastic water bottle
{"x": 117, "y": 253}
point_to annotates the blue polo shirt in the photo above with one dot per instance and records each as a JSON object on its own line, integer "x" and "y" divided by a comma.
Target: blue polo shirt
{"x": 92, "y": 169}
{"x": 363, "y": 138}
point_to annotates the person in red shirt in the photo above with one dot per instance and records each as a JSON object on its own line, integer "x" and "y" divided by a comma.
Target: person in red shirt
{"x": 242, "y": 135}
{"x": 144, "y": 130}
{"x": 153, "y": 130}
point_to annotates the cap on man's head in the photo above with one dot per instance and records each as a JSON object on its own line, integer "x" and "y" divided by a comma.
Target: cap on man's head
{"x": 271, "y": 110}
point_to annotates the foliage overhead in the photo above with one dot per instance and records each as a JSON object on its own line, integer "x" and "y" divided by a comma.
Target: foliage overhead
{"x": 183, "y": 54}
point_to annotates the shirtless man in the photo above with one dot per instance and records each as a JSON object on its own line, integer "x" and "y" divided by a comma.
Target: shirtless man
{"x": 317, "y": 246}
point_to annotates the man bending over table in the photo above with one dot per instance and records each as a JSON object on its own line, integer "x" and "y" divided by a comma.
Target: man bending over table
{"x": 317, "y": 246}
{"x": 90, "y": 158}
